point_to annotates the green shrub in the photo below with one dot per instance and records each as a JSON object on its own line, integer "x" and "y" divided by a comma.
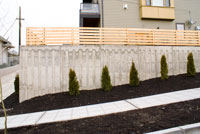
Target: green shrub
{"x": 133, "y": 77}
{"x": 164, "y": 68}
{"x": 191, "y": 71}
{"x": 73, "y": 83}
{"x": 105, "y": 80}
{"x": 16, "y": 84}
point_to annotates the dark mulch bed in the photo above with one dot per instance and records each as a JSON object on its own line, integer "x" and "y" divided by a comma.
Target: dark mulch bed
{"x": 132, "y": 122}
{"x": 64, "y": 100}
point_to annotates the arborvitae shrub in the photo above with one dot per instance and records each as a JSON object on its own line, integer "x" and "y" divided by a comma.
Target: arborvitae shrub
{"x": 16, "y": 84}
{"x": 191, "y": 71}
{"x": 73, "y": 83}
{"x": 133, "y": 77}
{"x": 164, "y": 68}
{"x": 105, "y": 80}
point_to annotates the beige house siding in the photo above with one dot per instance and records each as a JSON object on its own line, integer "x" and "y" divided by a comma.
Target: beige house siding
{"x": 182, "y": 8}
{"x": 116, "y": 16}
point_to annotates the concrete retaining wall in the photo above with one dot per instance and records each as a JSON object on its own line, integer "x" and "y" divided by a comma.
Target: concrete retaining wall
{"x": 44, "y": 69}
{"x": 8, "y": 70}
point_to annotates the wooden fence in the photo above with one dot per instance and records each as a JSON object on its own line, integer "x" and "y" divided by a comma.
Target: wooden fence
{"x": 112, "y": 36}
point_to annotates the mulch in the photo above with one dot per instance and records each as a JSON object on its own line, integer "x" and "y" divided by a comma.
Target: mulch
{"x": 131, "y": 122}
{"x": 64, "y": 100}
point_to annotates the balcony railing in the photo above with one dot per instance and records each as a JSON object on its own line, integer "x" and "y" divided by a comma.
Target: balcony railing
{"x": 109, "y": 36}
{"x": 89, "y": 8}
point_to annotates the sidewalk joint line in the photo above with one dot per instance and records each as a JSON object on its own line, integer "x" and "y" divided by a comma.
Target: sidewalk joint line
{"x": 132, "y": 104}
{"x": 40, "y": 118}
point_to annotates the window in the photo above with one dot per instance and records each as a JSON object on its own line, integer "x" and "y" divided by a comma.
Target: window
{"x": 180, "y": 26}
{"x": 157, "y": 9}
{"x": 167, "y": 3}
{"x": 160, "y": 3}
{"x": 148, "y": 2}
{"x": 87, "y": 1}
{"x": 157, "y": 2}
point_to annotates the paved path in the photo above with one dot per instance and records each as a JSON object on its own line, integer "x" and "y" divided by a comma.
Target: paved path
{"x": 187, "y": 129}
{"x": 99, "y": 109}
{"x": 8, "y": 84}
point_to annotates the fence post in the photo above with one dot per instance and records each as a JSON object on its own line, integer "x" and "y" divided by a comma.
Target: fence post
{"x": 101, "y": 36}
{"x": 152, "y": 37}
{"x": 175, "y": 37}
{"x": 100, "y": 39}
{"x": 27, "y": 36}
{"x": 199, "y": 37}
{"x": 72, "y": 36}
{"x": 44, "y": 41}
{"x": 127, "y": 36}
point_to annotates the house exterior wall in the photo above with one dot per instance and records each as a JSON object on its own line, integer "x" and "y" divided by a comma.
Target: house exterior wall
{"x": 1, "y": 60}
{"x": 45, "y": 69}
{"x": 3, "y": 54}
{"x": 115, "y": 16}
{"x": 5, "y": 57}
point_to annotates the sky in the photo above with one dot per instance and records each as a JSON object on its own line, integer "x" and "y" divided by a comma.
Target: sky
{"x": 37, "y": 13}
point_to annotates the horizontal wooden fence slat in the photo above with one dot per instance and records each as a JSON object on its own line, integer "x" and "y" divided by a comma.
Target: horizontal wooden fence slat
{"x": 110, "y": 36}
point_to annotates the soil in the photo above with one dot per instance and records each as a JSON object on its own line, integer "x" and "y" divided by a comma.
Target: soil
{"x": 64, "y": 100}
{"x": 131, "y": 122}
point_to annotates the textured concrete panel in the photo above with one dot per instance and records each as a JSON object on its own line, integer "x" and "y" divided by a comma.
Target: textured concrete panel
{"x": 45, "y": 69}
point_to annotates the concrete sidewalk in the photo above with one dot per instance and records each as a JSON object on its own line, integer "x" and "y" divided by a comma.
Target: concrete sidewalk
{"x": 99, "y": 109}
{"x": 8, "y": 84}
{"x": 186, "y": 129}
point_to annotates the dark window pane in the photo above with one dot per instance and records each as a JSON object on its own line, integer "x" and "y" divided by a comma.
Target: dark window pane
{"x": 167, "y": 3}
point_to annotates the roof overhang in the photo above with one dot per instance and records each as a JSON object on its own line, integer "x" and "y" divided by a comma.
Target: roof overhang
{"x": 8, "y": 45}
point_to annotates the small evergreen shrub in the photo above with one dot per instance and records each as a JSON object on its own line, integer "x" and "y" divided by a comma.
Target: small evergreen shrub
{"x": 16, "y": 84}
{"x": 191, "y": 71}
{"x": 164, "y": 68}
{"x": 73, "y": 83}
{"x": 133, "y": 77}
{"x": 105, "y": 80}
